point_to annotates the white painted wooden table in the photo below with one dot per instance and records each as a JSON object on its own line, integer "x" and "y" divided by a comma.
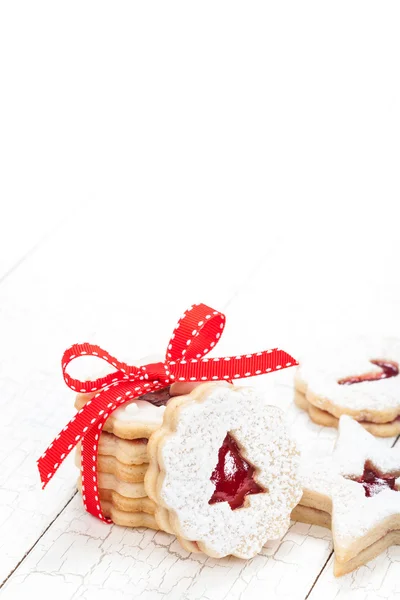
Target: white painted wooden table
{"x": 58, "y": 295}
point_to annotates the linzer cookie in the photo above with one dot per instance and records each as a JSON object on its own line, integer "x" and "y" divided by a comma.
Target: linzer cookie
{"x": 136, "y": 419}
{"x": 106, "y": 463}
{"x": 129, "y": 452}
{"x": 127, "y": 512}
{"x": 356, "y": 490}
{"x": 360, "y": 379}
{"x": 223, "y": 471}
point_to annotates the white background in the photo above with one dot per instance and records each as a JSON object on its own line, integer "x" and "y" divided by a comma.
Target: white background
{"x": 157, "y": 154}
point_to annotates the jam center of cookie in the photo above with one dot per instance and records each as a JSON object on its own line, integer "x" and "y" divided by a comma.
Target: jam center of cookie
{"x": 158, "y": 398}
{"x": 233, "y": 476}
{"x": 389, "y": 368}
{"x": 374, "y": 482}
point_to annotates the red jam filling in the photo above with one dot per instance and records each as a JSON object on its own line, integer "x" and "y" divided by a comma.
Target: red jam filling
{"x": 158, "y": 398}
{"x": 374, "y": 482}
{"x": 233, "y": 476}
{"x": 389, "y": 369}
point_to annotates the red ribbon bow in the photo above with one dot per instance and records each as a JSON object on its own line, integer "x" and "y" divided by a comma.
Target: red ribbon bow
{"x": 196, "y": 333}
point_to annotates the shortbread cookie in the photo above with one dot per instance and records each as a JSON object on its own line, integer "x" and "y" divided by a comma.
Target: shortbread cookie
{"x": 390, "y": 539}
{"x": 223, "y": 471}
{"x": 360, "y": 379}
{"x": 129, "y": 519}
{"x": 322, "y": 417}
{"x": 359, "y": 486}
{"x": 109, "y": 464}
{"x": 107, "y": 481}
{"x": 145, "y": 504}
{"x": 125, "y": 504}
{"x": 129, "y": 452}
{"x": 135, "y": 419}
{"x": 312, "y": 516}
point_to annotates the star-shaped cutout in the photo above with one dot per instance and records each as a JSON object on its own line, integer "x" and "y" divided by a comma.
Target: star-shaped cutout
{"x": 373, "y": 481}
{"x": 358, "y": 486}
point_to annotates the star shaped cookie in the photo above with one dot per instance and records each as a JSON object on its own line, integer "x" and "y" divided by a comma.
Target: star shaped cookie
{"x": 356, "y": 491}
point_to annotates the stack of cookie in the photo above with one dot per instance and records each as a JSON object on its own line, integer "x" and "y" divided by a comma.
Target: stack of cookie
{"x": 123, "y": 461}
{"x": 188, "y": 467}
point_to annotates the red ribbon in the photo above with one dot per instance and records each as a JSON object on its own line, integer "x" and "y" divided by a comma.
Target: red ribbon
{"x": 196, "y": 333}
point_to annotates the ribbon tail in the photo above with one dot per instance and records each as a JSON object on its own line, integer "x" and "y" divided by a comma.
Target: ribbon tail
{"x": 233, "y": 367}
{"x": 89, "y": 476}
{"x": 97, "y": 409}
{"x": 69, "y": 437}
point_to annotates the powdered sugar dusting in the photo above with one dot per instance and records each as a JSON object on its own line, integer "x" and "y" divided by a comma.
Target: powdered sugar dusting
{"x": 189, "y": 456}
{"x": 354, "y": 447}
{"x": 354, "y": 514}
{"x": 140, "y": 411}
{"x": 321, "y": 372}
{"x": 318, "y": 477}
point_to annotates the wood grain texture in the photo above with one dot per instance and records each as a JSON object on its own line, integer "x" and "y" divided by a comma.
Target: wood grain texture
{"x": 79, "y": 558}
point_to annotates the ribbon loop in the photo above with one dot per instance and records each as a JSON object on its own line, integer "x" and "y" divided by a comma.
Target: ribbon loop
{"x": 197, "y": 332}
{"x": 123, "y": 371}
